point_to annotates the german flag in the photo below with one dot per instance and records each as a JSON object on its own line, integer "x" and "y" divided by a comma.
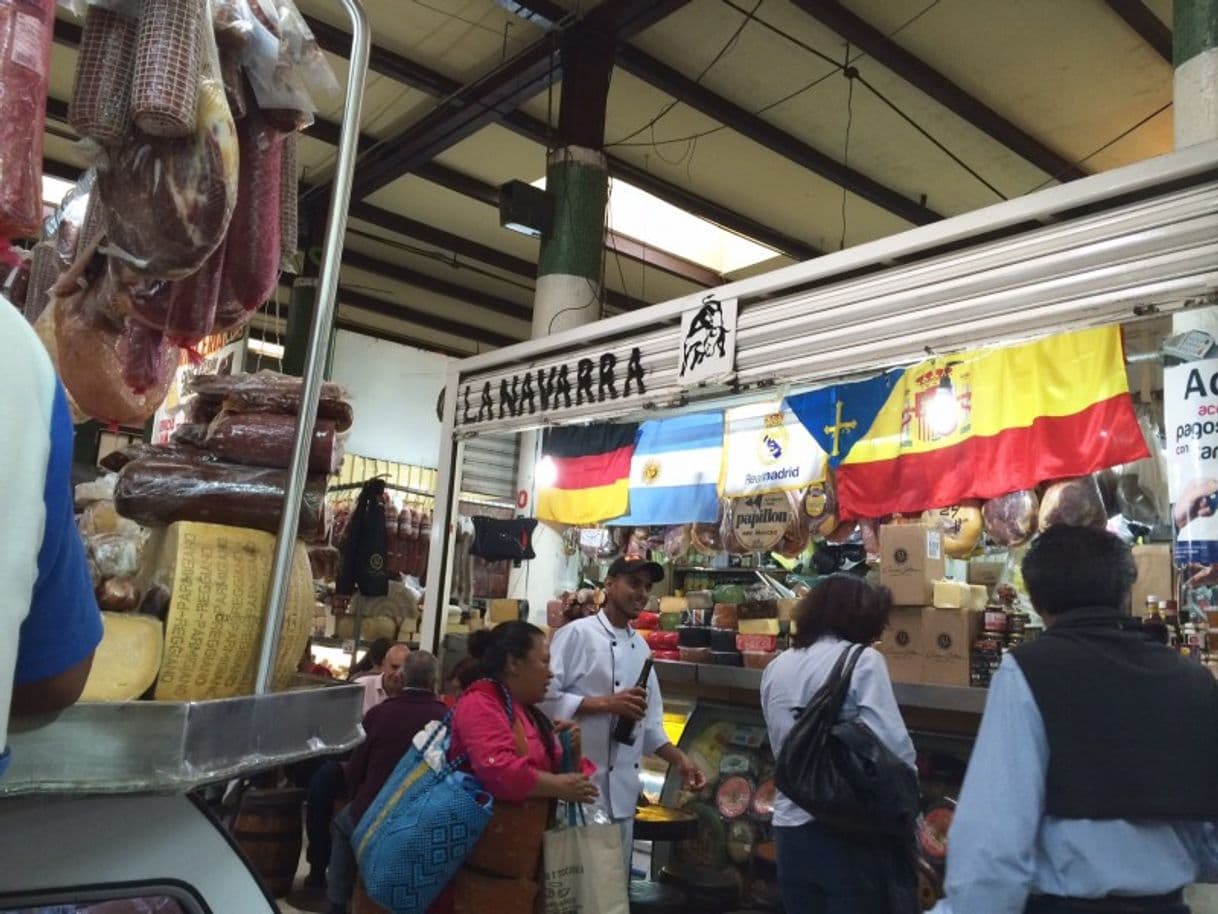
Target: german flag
{"x": 592, "y": 478}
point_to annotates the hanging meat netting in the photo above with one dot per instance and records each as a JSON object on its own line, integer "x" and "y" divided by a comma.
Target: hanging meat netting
{"x": 44, "y": 271}
{"x": 168, "y": 57}
{"x": 288, "y": 206}
{"x": 101, "y": 97}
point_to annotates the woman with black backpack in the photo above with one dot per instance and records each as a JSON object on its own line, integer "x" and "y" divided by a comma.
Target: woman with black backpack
{"x": 847, "y": 800}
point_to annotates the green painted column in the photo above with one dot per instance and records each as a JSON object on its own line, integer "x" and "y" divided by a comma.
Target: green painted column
{"x": 1195, "y": 92}
{"x": 300, "y": 325}
{"x": 569, "y": 270}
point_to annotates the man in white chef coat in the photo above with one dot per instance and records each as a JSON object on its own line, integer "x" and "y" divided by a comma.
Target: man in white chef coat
{"x": 596, "y": 662}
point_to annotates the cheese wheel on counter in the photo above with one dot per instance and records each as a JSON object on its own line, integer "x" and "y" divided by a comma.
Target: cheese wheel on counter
{"x": 760, "y": 627}
{"x": 694, "y": 636}
{"x": 646, "y": 622}
{"x": 758, "y": 660}
{"x": 723, "y": 639}
{"x": 726, "y": 615}
{"x": 961, "y": 526}
{"x": 666, "y": 655}
{"x": 756, "y": 642}
{"x": 127, "y": 660}
{"x": 695, "y": 654}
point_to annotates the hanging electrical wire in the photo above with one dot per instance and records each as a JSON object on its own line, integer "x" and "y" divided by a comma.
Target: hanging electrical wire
{"x": 851, "y": 75}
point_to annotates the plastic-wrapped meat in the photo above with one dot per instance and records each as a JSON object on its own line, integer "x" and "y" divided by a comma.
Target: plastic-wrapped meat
{"x": 93, "y": 360}
{"x": 289, "y": 205}
{"x": 138, "y": 450}
{"x": 1010, "y": 520}
{"x": 264, "y": 392}
{"x": 251, "y": 263}
{"x": 139, "y": 297}
{"x": 168, "y": 64}
{"x": 1073, "y": 503}
{"x": 677, "y": 542}
{"x": 267, "y": 440}
{"x": 148, "y": 361}
{"x": 26, "y": 27}
{"x": 192, "y": 302}
{"x": 169, "y": 201}
{"x": 44, "y": 272}
{"x": 158, "y": 491}
{"x": 101, "y": 95}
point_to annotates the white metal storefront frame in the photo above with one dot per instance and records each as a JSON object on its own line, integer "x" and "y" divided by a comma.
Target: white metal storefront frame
{"x": 1136, "y": 242}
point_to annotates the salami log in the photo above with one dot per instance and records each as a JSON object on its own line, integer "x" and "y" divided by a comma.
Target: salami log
{"x": 251, "y": 265}
{"x": 168, "y": 62}
{"x": 101, "y": 95}
{"x": 26, "y": 27}
{"x": 265, "y": 392}
{"x": 192, "y": 302}
{"x": 158, "y": 491}
{"x": 267, "y": 440}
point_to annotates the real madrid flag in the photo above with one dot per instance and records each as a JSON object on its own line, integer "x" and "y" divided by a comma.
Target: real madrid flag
{"x": 768, "y": 450}
{"x": 674, "y": 475}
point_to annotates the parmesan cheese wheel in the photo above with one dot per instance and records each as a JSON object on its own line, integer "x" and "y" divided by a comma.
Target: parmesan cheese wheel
{"x": 960, "y": 525}
{"x": 128, "y": 659}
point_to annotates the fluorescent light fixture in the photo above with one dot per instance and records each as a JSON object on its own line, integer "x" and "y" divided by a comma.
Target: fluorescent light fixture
{"x": 646, "y": 218}
{"x": 54, "y": 189}
{"x": 265, "y": 348}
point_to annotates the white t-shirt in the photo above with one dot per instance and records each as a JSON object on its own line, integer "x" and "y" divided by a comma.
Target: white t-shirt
{"x": 49, "y": 620}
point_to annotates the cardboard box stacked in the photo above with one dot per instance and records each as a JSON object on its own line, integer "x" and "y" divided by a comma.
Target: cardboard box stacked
{"x": 936, "y": 618}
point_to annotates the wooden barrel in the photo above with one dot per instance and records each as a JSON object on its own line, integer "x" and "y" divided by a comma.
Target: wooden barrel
{"x": 268, "y": 829}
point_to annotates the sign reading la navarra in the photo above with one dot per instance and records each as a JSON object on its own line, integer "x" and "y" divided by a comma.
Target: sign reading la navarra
{"x": 547, "y": 390}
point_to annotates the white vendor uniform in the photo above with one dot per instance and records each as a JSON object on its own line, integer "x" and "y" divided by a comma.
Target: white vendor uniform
{"x": 591, "y": 658}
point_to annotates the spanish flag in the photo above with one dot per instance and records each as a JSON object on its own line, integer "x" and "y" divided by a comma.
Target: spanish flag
{"x": 983, "y": 423}
{"x": 591, "y": 473}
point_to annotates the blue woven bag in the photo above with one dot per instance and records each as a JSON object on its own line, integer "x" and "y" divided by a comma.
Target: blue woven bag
{"x": 420, "y": 828}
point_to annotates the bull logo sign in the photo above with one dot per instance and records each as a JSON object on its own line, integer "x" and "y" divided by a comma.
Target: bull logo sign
{"x": 708, "y": 341}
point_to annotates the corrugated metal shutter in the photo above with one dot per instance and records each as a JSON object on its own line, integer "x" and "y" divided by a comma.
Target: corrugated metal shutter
{"x": 489, "y": 467}
{"x": 1128, "y": 260}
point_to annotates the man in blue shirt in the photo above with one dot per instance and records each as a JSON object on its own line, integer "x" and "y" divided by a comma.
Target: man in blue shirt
{"x": 1090, "y": 786}
{"x": 49, "y": 620}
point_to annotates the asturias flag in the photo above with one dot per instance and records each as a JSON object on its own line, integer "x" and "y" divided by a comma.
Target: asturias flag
{"x": 674, "y": 476}
{"x": 592, "y": 465}
{"x": 983, "y": 423}
{"x": 840, "y": 415}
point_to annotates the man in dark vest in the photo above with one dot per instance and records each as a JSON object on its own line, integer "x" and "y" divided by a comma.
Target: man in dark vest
{"x": 1091, "y": 786}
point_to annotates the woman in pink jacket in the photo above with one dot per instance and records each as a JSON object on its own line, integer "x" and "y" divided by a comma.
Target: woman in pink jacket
{"x": 513, "y": 751}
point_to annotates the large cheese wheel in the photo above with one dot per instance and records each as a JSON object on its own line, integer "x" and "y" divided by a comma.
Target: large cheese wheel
{"x": 960, "y": 525}
{"x": 128, "y": 659}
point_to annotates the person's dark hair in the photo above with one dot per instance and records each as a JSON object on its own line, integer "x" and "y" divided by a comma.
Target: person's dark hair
{"x": 419, "y": 671}
{"x": 374, "y": 656}
{"x": 466, "y": 672}
{"x": 1069, "y": 568}
{"x": 492, "y": 648}
{"x": 843, "y": 605}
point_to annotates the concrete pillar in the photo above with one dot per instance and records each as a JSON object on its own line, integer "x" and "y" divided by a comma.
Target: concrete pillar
{"x": 569, "y": 272}
{"x": 1195, "y": 105}
{"x": 1195, "y": 92}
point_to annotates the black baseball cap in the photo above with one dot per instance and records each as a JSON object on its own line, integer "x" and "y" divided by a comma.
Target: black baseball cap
{"x": 624, "y": 564}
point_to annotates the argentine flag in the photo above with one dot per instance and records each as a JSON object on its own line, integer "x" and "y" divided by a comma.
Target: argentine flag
{"x": 674, "y": 474}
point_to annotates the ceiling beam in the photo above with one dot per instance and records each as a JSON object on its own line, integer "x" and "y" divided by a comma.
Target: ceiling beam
{"x": 728, "y": 113}
{"x": 919, "y": 74}
{"x": 259, "y": 329}
{"x": 429, "y": 283}
{"x": 616, "y": 243}
{"x": 380, "y": 306}
{"x": 417, "y": 76}
{"x": 1139, "y": 17}
{"x": 463, "y": 112}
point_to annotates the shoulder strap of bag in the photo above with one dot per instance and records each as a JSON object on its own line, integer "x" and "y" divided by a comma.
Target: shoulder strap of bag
{"x": 843, "y": 672}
